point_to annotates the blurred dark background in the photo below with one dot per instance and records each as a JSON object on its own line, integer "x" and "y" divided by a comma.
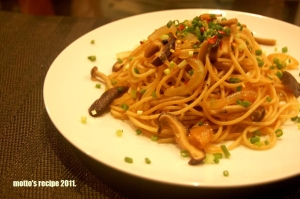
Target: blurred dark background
{"x": 286, "y": 10}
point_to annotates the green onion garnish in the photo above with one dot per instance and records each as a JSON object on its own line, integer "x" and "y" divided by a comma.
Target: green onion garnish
{"x": 124, "y": 106}
{"x": 169, "y": 24}
{"x": 284, "y": 50}
{"x": 225, "y": 150}
{"x": 225, "y": 173}
{"x": 279, "y": 133}
{"x": 138, "y": 131}
{"x": 294, "y": 118}
{"x": 92, "y": 41}
{"x": 200, "y": 123}
{"x": 98, "y": 85}
{"x": 119, "y": 133}
{"x": 218, "y": 155}
{"x": 136, "y": 71}
{"x": 266, "y": 142}
{"x": 142, "y": 91}
{"x": 255, "y": 139}
{"x": 92, "y": 58}
{"x": 154, "y": 138}
{"x": 258, "y": 52}
{"x": 279, "y": 74}
{"x": 260, "y": 62}
{"x": 216, "y": 160}
{"x": 243, "y": 103}
{"x": 184, "y": 153}
{"x": 83, "y": 119}
{"x": 148, "y": 161}
{"x": 269, "y": 99}
{"x": 128, "y": 160}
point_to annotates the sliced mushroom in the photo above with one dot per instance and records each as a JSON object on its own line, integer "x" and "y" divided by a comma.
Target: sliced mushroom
{"x": 164, "y": 52}
{"x": 153, "y": 48}
{"x": 167, "y": 120}
{"x": 258, "y": 114}
{"x": 101, "y": 104}
{"x": 289, "y": 81}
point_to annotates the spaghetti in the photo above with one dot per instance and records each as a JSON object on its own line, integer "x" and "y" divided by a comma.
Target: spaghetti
{"x": 211, "y": 74}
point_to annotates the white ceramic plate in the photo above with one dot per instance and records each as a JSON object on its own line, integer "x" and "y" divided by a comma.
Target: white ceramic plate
{"x": 69, "y": 91}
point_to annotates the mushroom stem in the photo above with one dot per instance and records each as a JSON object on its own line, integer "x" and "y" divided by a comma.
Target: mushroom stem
{"x": 167, "y": 120}
{"x": 97, "y": 74}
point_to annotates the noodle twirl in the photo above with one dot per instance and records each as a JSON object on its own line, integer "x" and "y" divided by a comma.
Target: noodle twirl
{"x": 211, "y": 80}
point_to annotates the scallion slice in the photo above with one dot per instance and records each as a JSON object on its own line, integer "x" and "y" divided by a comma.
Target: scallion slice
{"x": 128, "y": 160}
{"x": 225, "y": 151}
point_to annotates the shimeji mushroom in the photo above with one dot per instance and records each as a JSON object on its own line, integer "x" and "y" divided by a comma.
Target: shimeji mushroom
{"x": 97, "y": 75}
{"x": 167, "y": 120}
{"x": 101, "y": 104}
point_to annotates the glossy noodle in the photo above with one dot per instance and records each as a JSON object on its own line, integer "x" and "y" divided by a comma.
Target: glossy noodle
{"x": 213, "y": 76}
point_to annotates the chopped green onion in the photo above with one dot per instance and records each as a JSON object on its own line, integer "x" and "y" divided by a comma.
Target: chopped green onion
{"x": 191, "y": 72}
{"x": 154, "y": 138}
{"x": 128, "y": 160}
{"x": 182, "y": 63}
{"x": 225, "y": 150}
{"x": 169, "y": 24}
{"x": 98, "y": 85}
{"x": 184, "y": 153}
{"x": 255, "y": 139}
{"x": 83, "y": 119}
{"x": 119, "y": 89}
{"x": 119, "y": 133}
{"x": 278, "y": 133}
{"x": 153, "y": 94}
{"x": 200, "y": 123}
{"x": 143, "y": 91}
{"x": 257, "y": 133}
{"x": 225, "y": 173}
{"x": 216, "y": 160}
{"x": 92, "y": 58}
{"x": 92, "y": 41}
{"x": 234, "y": 80}
{"x": 138, "y": 131}
{"x": 284, "y": 50}
{"x": 260, "y": 62}
{"x": 266, "y": 142}
{"x": 209, "y": 159}
{"x": 124, "y": 106}
{"x": 136, "y": 71}
{"x": 119, "y": 60}
{"x": 148, "y": 161}
{"x": 258, "y": 143}
{"x": 218, "y": 155}
{"x": 258, "y": 52}
{"x": 239, "y": 88}
{"x": 279, "y": 74}
{"x": 298, "y": 121}
{"x": 167, "y": 71}
{"x": 269, "y": 99}
{"x": 243, "y": 103}
{"x": 294, "y": 118}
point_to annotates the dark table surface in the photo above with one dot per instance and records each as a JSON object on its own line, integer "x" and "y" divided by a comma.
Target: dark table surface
{"x": 31, "y": 148}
